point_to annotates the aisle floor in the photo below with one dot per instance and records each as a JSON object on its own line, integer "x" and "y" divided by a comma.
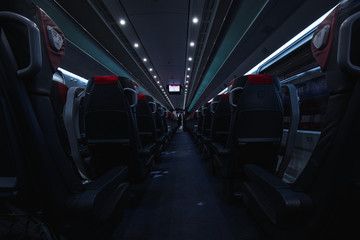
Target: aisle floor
{"x": 183, "y": 200}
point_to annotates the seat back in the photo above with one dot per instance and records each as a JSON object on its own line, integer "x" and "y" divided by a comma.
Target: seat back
{"x": 323, "y": 201}
{"x": 200, "y": 121}
{"x": 110, "y": 124}
{"x": 221, "y": 111}
{"x": 42, "y": 128}
{"x": 257, "y": 119}
{"x": 145, "y": 120}
{"x": 159, "y": 114}
{"x": 207, "y": 118}
{"x": 325, "y": 163}
{"x": 15, "y": 181}
{"x": 107, "y": 111}
{"x": 164, "y": 119}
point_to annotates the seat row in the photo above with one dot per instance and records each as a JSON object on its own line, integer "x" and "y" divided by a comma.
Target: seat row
{"x": 110, "y": 124}
{"x": 69, "y": 153}
{"x": 322, "y": 202}
{"x": 243, "y": 126}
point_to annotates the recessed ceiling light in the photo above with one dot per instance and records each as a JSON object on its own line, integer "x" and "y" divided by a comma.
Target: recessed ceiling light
{"x": 122, "y": 22}
{"x": 189, "y": 69}
{"x": 150, "y": 69}
{"x": 136, "y": 45}
{"x": 190, "y": 58}
{"x": 145, "y": 59}
{"x": 155, "y": 76}
{"x": 160, "y": 86}
{"x": 158, "y": 82}
{"x": 187, "y": 81}
{"x": 192, "y": 44}
{"x": 187, "y": 76}
{"x": 195, "y": 20}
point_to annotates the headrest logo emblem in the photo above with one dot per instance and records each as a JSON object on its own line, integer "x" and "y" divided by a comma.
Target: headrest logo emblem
{"x": 55, "y": 38}
{"x": 320, "y": 39}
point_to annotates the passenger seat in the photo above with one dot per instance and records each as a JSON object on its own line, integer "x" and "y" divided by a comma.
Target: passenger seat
{"x": 323, "y": 202}
{"x": 146, "y": 125}
{"x": 70, "y": 204}
{"x": 255, "y": 129}
{"x": 110, "y": 126}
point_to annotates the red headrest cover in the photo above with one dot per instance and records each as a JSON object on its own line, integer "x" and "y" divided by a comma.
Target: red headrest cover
{"x": 141, "y": 97}
{"x": 105, "y": 80}
{"x": 260, "y": 79}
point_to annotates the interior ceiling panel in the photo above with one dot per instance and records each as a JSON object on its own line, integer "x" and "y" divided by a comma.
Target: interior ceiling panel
{"x": 160, "y": 25}
{"x": 163, "y": 30}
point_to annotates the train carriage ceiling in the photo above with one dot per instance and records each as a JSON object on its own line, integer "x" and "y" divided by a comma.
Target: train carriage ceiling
{"x": 198, "y": 44}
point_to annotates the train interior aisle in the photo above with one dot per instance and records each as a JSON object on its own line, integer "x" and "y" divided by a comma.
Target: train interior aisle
{"x": 142, "y": 139}
{"x": 183, "y": 200}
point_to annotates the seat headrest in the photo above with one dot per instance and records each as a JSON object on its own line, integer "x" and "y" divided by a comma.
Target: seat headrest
{"x": 52, "y": 43}
{"x": 254, "y": 79}
{"x": 141, "y": 97}
{"x": 335, "y": 46}
{"x": 54, "y": 39}
{"x": 102, "y": 80}
{"x": 322, "y": 39}
{"x": 238, "y": 85}
{"x": 225, "y": 96}
{"x": 260, "y": 79}
{"x": 216, "y": 99}
{"x": 130, "y": 90}
{"x": 149, "y": 98}
{"x": 214, "y": 103}
{"x": 125, "y": 83}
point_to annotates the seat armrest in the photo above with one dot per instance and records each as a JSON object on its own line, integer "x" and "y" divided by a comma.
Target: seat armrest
{"x": 219, "y": 149}
{"x": 262, "y": 177}
{"x": 99, "y": 197}
{"x": 275, "y": 198}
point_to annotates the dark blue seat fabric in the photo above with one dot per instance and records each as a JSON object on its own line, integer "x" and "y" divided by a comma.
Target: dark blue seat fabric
{"x": 111, "y": 128}
{"x": 221, "y": 111}
{"x": 146, "y": 125}
{"x": 159, "y": 123}
{"x": 199, "y": 127}
{"x": 322, "y": 202}
{"x": 207, "y": 118}
{"x": 63, "y": 197}
{"x": 255, "y": 127}
{"x": 173, "y": 123}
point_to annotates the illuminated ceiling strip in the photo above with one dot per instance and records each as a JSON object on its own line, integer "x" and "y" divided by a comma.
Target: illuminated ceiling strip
{"x": 245, "y": 16}
{"x": 287, "y": 45}
{"x": 304, "y": 32}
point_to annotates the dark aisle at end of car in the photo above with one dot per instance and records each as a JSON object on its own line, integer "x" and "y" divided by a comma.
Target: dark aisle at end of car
{"x": 182, "y": 200}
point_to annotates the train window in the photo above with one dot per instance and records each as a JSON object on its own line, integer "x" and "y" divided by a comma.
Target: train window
{"x": 313, "y": 97}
